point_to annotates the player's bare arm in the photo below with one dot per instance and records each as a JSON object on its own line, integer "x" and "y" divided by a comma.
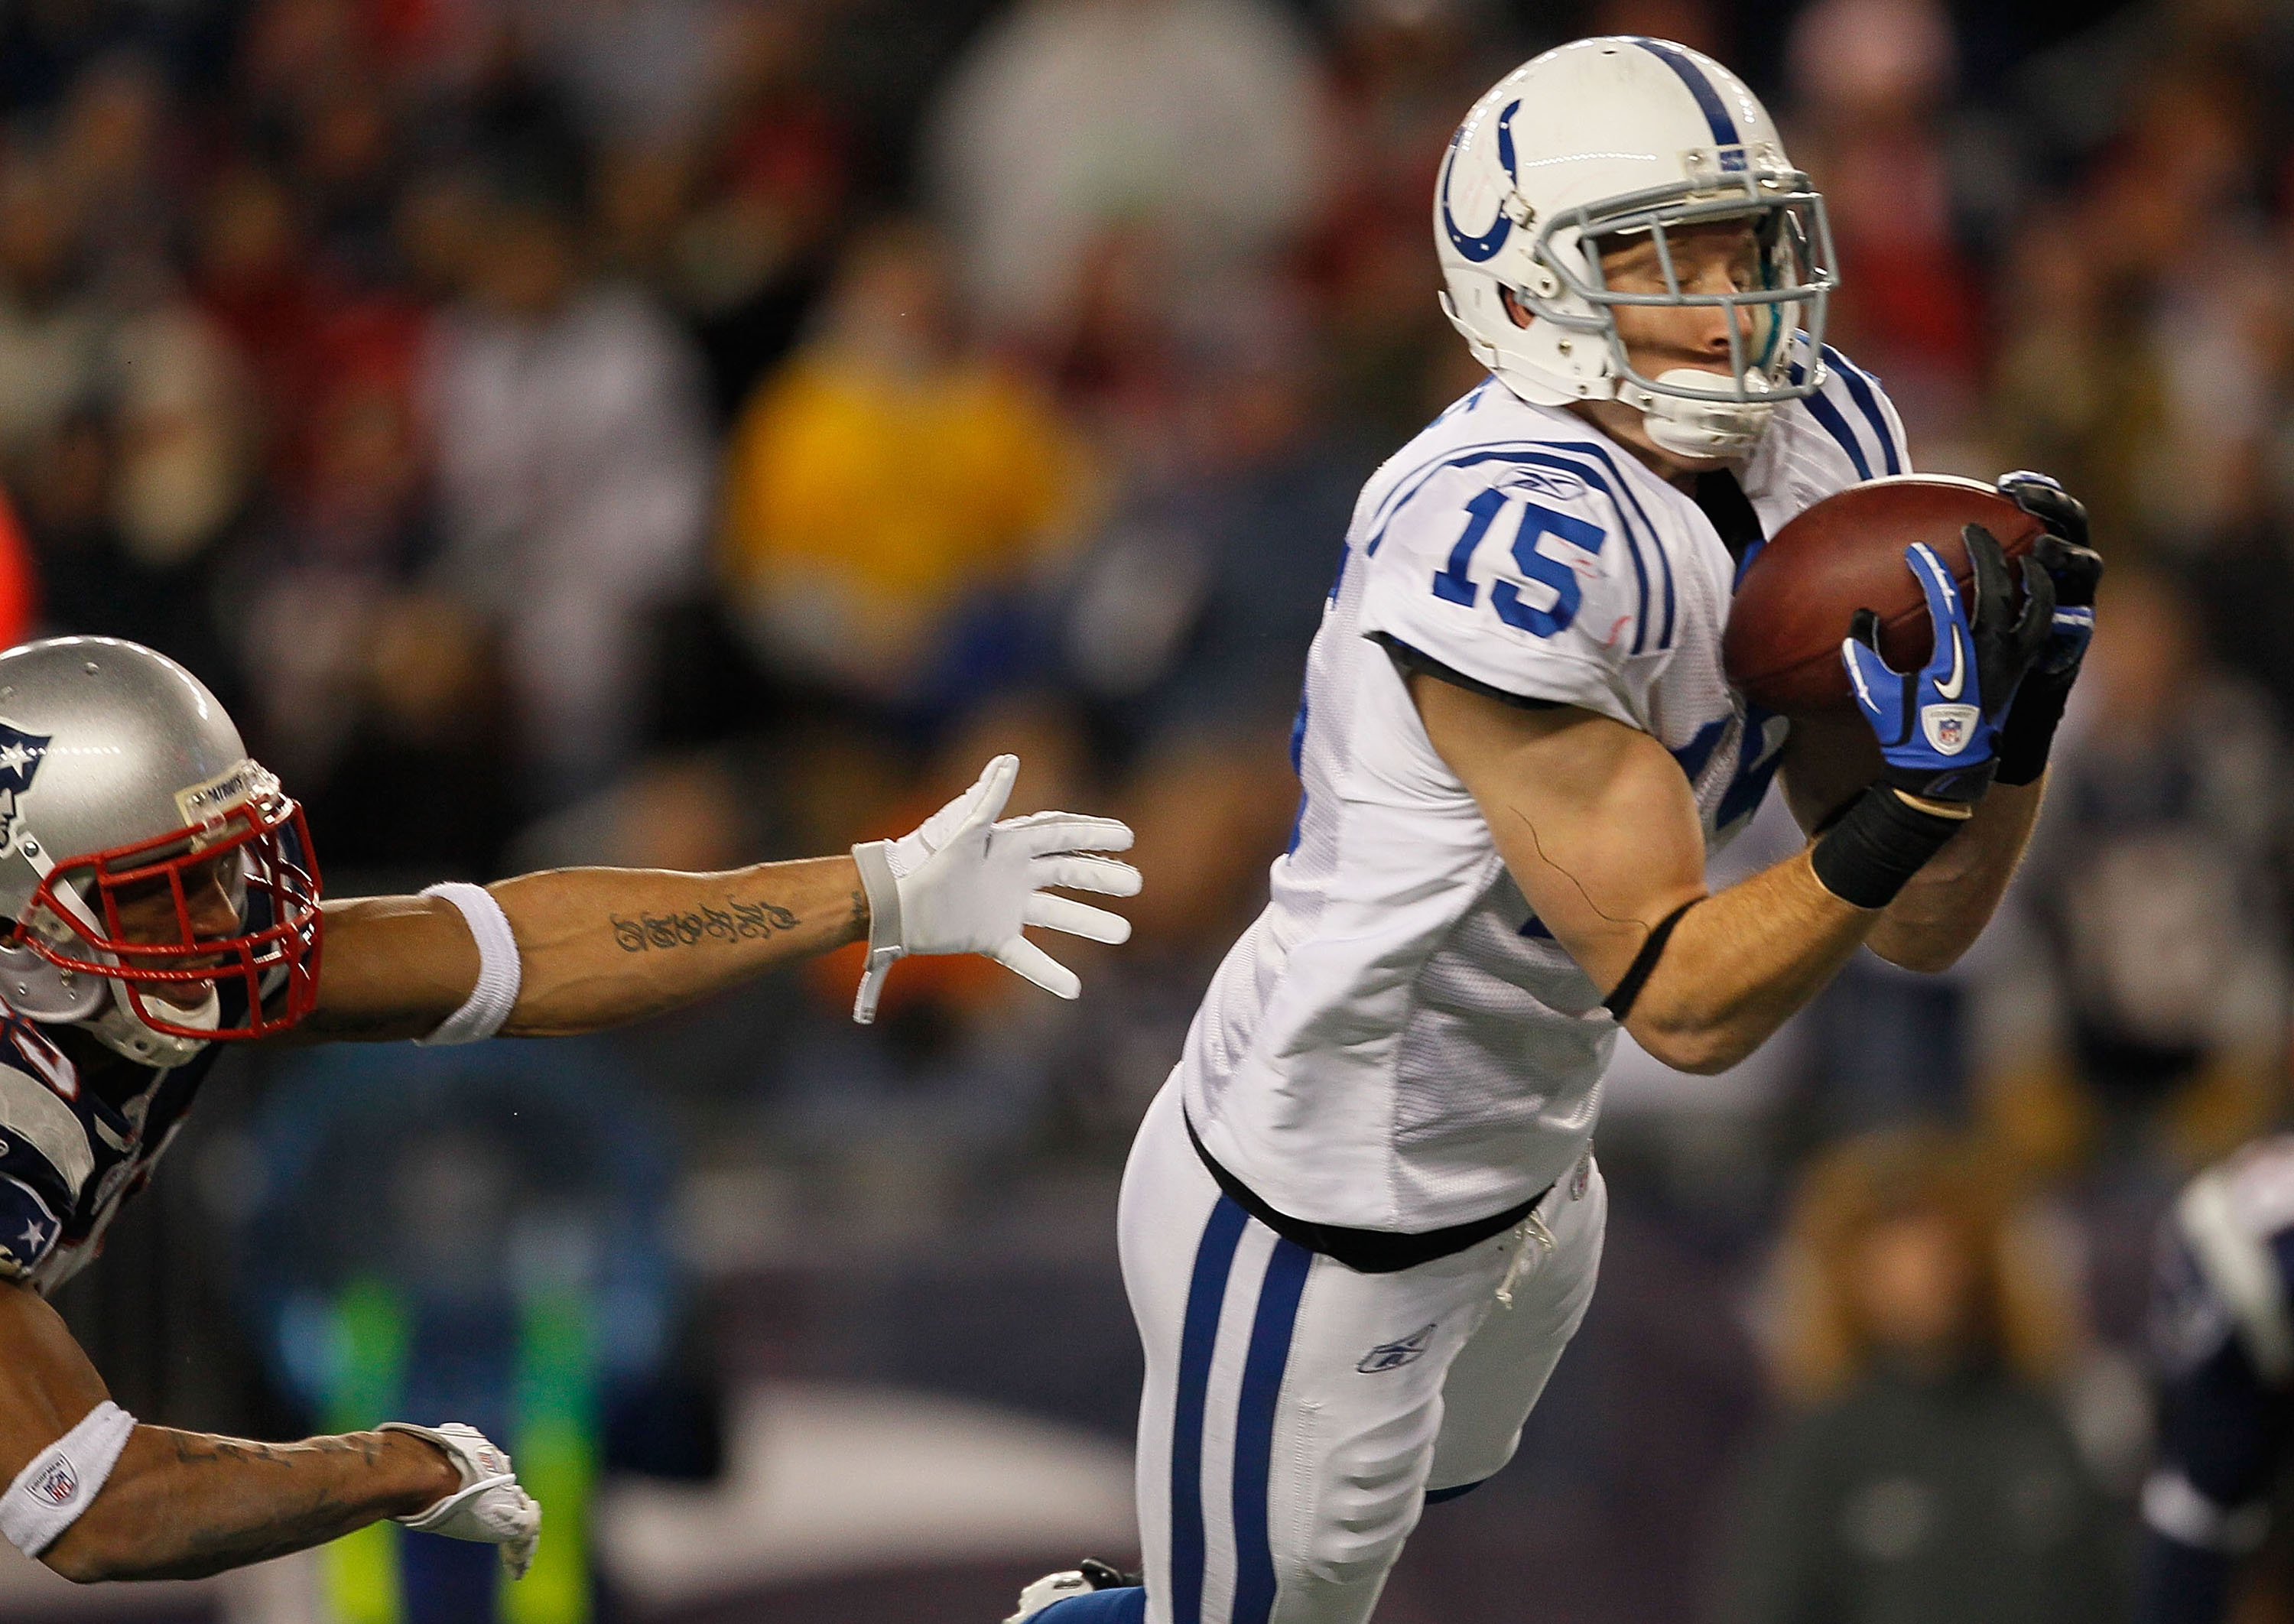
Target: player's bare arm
{"x": 1596, "y": 824}
{"x": 597, "y": 946}
{"x": 579, "y": 949}
{"x": 1944, "y": 908}
{"x": 176, "y": 1505}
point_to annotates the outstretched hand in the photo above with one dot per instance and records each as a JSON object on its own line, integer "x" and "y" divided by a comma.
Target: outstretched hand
{"x": 965, "y": 883}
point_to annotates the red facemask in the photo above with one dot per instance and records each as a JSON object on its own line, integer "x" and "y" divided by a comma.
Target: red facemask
{"x": 258, "y": 852}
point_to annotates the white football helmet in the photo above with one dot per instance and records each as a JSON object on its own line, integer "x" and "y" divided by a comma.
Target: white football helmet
{"x": 1608, "y": 137}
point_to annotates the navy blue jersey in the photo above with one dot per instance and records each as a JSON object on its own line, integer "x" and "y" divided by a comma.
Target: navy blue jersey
{"x": 67, "y": 1158}
{"x": 2223, "y": 1337}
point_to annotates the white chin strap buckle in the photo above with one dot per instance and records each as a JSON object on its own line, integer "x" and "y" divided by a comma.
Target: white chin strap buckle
{"x": 121, "y": 1029}
{"x": 1716, "y": 431}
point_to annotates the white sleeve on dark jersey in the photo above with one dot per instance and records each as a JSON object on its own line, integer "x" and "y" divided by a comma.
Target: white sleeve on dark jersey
{"x": 44, "y": 1159}
{"x": 1530, "y": 570}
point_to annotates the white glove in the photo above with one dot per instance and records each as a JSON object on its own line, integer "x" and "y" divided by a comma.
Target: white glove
{"x": 965, "y": 883}
{"x": 490, "y": 1506}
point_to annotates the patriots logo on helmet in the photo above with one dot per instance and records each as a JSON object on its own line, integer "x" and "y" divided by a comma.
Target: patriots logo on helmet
{"x": 20, "y": 755}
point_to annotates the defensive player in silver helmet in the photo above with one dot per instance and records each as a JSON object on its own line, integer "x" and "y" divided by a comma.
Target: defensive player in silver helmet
{"x": 1364, "y": 1219}
{"x": 160, "y": 896}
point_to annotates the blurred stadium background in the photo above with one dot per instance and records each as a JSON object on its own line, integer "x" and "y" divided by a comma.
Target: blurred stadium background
{"x": 684, "y": 432}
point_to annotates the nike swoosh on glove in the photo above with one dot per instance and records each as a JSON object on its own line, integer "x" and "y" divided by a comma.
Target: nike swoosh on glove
{"x": 965, "y": 882}
{"x": 490, "y": 1507}
{"x": 1938, "y": 726}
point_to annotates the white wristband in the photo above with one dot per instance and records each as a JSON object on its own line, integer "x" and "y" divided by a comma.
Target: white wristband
{"x": 63, "y": 1479}
{"x": 883, "y": 887}
{"x": 500, "y": 971}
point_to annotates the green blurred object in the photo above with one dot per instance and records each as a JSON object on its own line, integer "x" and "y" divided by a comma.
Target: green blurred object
{"x": 556, "y": 1453}
{"x": 555, "y": 1446}
{"x": 370, "y": 1340}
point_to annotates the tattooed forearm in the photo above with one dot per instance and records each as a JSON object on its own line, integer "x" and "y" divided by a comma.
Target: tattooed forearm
{"x": 736, "y": 921}
{"x": 202, "y": 1447}
{"x": 183, "y": 1504}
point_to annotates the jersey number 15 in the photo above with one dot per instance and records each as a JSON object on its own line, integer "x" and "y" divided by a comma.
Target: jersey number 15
{"x": 1451, "y": 582}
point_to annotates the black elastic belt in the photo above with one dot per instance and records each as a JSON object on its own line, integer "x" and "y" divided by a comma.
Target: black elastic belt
{"x": 1363, "y": 1251}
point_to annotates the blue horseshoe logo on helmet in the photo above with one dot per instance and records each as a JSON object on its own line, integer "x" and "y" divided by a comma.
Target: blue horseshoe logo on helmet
{"x": 1485, "y": 246}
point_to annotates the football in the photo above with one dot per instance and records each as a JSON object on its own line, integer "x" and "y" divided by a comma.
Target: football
{"x": 1792, "y": 607}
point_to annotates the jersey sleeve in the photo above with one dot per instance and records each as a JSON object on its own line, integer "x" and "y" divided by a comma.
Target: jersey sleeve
{"x": 44, "y": 1160}
{"x": 1855, "y": 432}
{"x": 1524, "y": 577}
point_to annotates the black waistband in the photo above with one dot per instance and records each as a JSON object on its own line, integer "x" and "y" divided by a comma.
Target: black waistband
{"x": 1363, "y": 1251}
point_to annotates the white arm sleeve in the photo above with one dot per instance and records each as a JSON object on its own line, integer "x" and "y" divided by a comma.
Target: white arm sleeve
{"x": 500, "y": 971}
{"x": 63, "y": 1479}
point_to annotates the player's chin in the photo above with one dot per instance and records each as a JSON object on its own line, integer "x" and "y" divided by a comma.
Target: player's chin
{"x": 178, "y": 998}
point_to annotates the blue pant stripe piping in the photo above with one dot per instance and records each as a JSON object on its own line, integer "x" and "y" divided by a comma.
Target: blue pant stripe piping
{"x": 1254, "y": 1438}
{"x": 1198, "y": 1336}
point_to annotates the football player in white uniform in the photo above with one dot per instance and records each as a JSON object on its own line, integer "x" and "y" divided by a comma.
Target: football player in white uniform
{"x": 1363, "y": 1219}
{"x": 160, "y": 896}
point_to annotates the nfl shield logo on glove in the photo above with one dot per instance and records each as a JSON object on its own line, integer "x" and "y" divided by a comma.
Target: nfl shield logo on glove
{"x": 1949, "y": 727}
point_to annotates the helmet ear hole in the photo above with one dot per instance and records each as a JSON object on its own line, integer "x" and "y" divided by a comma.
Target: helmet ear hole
{"x": 34, "y": 988}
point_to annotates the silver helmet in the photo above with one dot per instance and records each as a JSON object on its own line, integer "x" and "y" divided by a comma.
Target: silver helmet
{"x": 132, "y": 821}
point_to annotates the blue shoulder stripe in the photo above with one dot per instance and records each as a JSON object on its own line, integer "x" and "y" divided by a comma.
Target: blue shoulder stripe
{"x": 1539, "y": 453}
{"x": 1828, "y": 415}
{"x": 1860, "y": 388}
{"x": 1665, "y": 638}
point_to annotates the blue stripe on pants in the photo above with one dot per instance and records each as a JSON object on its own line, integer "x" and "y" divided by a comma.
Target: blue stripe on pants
{"x": 1253, "y": 1437}
{"x": 1198, "y": 1337}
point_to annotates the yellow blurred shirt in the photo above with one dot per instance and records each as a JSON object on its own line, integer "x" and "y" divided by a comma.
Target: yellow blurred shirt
{"x": 863, "y": 507}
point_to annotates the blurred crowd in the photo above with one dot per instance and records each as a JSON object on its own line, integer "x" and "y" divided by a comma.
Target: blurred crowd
{"x": 681, "y": 433}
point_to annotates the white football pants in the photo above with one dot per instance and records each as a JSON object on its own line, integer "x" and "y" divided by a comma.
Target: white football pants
{"x": 1297, "y": 1414}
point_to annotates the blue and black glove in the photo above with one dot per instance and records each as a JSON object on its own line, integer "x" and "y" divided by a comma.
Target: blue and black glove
{"x": 1938, "y": 727}
{"x": 2076, "y": 569}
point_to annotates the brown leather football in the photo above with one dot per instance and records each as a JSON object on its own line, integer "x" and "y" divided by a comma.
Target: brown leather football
{"x": 1792, "y": 609}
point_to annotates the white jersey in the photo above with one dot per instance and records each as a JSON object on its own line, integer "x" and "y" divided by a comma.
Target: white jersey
{"x": 1396, "y": 1043}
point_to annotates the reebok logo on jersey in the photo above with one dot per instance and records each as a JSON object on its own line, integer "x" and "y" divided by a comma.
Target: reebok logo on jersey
{"x": 59, "y": 1485}
{"x": 1394, "y": 1355}
{"x": 1949, "y": 727}
{"x": 1550, "y": 483}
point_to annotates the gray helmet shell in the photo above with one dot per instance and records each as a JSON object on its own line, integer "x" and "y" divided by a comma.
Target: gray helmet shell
{"x": 119, "y": 740}
{"x": 104, "y": 743}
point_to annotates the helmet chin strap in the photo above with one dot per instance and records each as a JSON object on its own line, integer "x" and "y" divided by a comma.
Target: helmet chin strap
{"x": 121, "y": 1029}
{"x": 46, "y": 993}
{"x": 1715, "y": 431}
